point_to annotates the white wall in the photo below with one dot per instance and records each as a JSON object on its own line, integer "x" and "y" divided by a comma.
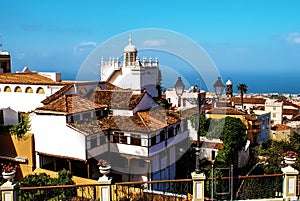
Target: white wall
{"x": 24, "y": 102}
{"x": 53, "y": 136}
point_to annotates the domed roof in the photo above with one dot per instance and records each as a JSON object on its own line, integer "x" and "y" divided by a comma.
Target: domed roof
{"x": 228, "y": 82}
{"x": 130, "y": 47}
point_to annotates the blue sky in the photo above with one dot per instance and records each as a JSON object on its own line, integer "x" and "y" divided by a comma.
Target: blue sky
{"x": 252, "y": 42}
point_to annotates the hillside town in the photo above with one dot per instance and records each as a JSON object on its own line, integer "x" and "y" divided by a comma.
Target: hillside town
{"x": 127, "y": 124}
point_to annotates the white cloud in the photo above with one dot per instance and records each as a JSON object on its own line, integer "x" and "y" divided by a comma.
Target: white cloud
{"x": 155, "y": 43}
{"x": 85, "y": 46}
{"x": 293, "y": 37}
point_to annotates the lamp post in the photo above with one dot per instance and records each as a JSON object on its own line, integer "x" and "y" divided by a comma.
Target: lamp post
{"x": 179, "y": 88}
{"x": 200, "y": 102}
{"x": 219, "y": 87}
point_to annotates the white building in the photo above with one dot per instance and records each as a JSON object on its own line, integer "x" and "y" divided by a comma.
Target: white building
{"x": 24, "y": 91}
{"x": 131, "y": 73}
{"x": 131, "y": 131}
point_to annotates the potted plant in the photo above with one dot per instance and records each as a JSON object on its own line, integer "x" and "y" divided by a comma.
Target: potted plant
{"x": 290, "y": 157}
{"x": 104, "y": 168}
{"x": 9, "y": 171}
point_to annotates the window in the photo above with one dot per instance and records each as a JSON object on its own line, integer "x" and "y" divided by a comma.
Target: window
{"x": 274, "y": 108}
{"x": 18, "y": 89}
{"x": 94, "y": 142}
{"x": 170, "y": 132}
{"x": 153, "y": 140}
{"x": 28, "y": 90}
{"x": 274, "y": 115}
{"x": 135, "y": 140}
{"x": 102, "y": 139}
{"x": 177, "y": 129}
{"x": 40, "y": 90}
{"x": 119, "y": 138}
{"x": 7, "y": 89}
{"x": 162, "y": 135}
{"x": 75, "y": 118}
{"x": 86, "y": 115}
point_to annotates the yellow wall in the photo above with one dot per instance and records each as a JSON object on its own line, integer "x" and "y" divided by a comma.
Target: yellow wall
{"x": 221, "y": 116}
{"x": 23, "y": 147}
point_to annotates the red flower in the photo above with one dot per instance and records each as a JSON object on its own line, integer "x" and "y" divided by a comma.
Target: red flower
{"x": 103, "y": 163}
{"x": 291, "y": 154}
{"x": 9, "y": 167}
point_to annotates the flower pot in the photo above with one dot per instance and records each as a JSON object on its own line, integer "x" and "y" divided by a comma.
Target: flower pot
{"x": 9, "y": 175}
{"x": 289, "y": 161}
{"x": 104, "y": 170}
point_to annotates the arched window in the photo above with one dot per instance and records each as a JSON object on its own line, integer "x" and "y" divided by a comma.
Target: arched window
{"x": 40, "y": 90}
{"x": 18, "y": 89}
{"x": 28, "y": 90}
{"x": 7, "y": 89}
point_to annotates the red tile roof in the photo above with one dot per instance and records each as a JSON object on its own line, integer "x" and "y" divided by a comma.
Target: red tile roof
{"x": 237, "y": 100}
{"x": 290, "y": 112}
{"x": 280, "y": 127}
{"x": 144, "y": 121}
{"x": 116, "y": 99}
{"x": 228, "y": 111}
{"x": 70, "y": 104}
{"x": 59, "y": 93}
{"x": 27, "y": 78}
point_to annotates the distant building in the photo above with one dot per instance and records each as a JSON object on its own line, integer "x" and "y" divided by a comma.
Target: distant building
{"x": 5, "y": 64}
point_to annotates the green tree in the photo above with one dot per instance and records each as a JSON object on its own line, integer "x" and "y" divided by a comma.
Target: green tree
{"x": 204, "y": 123}
{"x": 234, "y": 138}
{"x": 22, "y": 127}
{"x": 243, "y": 89}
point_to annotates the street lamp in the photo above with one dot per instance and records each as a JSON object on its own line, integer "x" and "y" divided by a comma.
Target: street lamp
{"x": 200, "y": 101}
{"x": 179, "y": 88}
{"x": 219, "y": 86}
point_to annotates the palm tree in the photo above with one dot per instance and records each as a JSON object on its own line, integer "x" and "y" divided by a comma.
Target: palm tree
{"x": 243, "y": 89}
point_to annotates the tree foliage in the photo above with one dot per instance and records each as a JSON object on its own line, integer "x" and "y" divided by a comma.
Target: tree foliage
{"x": 42, "y": 179}
{"x": 273, "y": 153}
{"x": 22, "y": 127}
{"x": 243, "y": 89}
{"x": 234, "y": 137}
{"x": 204, "y": 123}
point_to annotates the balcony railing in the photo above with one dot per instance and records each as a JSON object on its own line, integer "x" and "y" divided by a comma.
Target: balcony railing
{"x": 242, "y": 188}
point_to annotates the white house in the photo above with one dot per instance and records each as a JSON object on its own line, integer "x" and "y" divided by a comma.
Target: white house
{"x": 138, "y": 138}
{"x": 24, "y": 91}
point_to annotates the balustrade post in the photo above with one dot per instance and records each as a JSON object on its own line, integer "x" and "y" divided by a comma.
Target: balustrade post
{"x": 104, "y": 190}
{"x": 9, "y": 191}
{"x": 289, "y": 183}
{"x": 198, "y": 186}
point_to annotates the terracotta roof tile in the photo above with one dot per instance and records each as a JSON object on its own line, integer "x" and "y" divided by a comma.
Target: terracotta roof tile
{"x": 116, "y": 99}
{"x": 290, "y": 112}
{"x": 237, "y": 100}
{"x": 27, "y": 78}
{"x": 280, "y": 127}
{"x": 296, "y": 118}
{"x": 226, "y": 110}
{"x": 59, "y": 93}
{"x": 144, "y": 121}
{"x": 70, "y": 104}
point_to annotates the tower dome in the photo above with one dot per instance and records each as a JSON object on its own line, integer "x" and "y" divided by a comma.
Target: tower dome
{"x": 130, "y": 47}
{"x": 228, "y": 82}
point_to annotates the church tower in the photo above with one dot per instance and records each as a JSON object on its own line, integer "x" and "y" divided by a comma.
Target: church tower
{"x": 132, "y": 73}
{"x": 229, "y": 88}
